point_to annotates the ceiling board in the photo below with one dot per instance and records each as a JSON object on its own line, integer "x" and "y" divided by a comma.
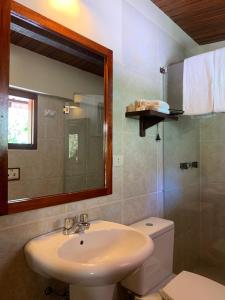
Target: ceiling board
{"x": 203, "y": 20}
{"x": 55, "y": 47}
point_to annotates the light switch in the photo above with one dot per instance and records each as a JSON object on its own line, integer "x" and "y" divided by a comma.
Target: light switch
{"x": 117, "y": 160}
{"x": 13, "y": 174}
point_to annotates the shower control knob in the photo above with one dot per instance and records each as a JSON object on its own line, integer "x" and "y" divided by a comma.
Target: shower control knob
{"x": 184, "y": 166}
{"x": 195, "y": 164}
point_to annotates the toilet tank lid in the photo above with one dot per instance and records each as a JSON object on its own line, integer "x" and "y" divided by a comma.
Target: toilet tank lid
{"x": 153, "y": 226}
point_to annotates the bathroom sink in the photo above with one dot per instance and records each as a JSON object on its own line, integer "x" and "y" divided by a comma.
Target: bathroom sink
{"x": 103, "y": 255}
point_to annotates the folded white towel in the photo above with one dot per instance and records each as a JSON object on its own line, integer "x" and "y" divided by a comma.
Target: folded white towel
{"x": 198, "y": 84}
{"x": 219, "y": 81}
{"x": 142, "y": 104}
{"x": 154, "y": 102}
{"x": 162, "y": 110}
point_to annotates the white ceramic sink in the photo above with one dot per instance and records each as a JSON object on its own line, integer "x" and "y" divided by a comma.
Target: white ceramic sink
{"x": 101, "y": 256}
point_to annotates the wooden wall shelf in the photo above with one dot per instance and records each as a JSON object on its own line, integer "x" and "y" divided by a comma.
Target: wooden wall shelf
{"x": 149, "y": 118}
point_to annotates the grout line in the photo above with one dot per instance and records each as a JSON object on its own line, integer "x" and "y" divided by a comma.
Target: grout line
{"x": 141, "y": 195}
{"x": 32, "y": 222}
{"x": 63, "y": 214}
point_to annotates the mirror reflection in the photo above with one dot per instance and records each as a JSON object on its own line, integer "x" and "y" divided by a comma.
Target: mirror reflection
{"x": 55, "y": 116}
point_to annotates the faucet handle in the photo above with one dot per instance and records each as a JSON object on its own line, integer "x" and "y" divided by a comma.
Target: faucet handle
{"x": 68, "y": 223}
{"x": 84, "y": 218}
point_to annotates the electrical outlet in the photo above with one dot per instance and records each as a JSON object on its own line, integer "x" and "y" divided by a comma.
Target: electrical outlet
{"x": 117, "y": 160}
{"x": 13, "y": 174}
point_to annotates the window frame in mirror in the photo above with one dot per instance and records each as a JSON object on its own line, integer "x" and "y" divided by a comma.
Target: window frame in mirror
{"x": 33, "y": 99}
{"x": 10, "y": 8}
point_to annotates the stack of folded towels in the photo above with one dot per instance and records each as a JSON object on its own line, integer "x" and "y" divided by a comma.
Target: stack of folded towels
{"x": 143, "y": 104}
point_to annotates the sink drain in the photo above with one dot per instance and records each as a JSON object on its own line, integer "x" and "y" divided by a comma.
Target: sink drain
{"x": 148, "y": 224}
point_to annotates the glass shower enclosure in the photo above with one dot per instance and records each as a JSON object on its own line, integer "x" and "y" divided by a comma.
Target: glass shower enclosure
{"x": 194, "y": 188}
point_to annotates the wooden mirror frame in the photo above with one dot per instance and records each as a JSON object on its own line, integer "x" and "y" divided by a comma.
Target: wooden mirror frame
{"x": 8, "y": 8}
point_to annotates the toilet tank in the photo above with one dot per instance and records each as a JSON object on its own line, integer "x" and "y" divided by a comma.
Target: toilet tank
{"x": 159, "y": 266}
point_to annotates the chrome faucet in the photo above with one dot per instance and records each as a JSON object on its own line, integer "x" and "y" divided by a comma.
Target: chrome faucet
{"x": 72, "y": 226}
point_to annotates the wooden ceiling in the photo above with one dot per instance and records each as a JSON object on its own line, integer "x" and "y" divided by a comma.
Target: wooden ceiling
{"x": 56, "y": 47}
{"x": 203, "y": 20}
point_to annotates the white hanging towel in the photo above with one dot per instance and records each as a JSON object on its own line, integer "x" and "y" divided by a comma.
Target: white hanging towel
{"x": 219, "y": 83}
{"x": 198, "y": 84}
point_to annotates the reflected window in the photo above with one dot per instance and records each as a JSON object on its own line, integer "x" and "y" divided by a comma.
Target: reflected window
{"x": 73, "y": 146}
{"x": 22, "y": 120}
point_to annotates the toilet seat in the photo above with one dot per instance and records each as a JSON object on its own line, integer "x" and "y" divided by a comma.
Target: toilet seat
{"x": 188, "y": 286}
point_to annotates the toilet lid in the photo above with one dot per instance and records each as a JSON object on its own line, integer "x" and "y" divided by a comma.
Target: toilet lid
{"x": 188, "y": 286}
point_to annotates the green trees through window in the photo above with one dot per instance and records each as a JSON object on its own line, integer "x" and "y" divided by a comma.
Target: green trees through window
{"x": 22, "y": 120}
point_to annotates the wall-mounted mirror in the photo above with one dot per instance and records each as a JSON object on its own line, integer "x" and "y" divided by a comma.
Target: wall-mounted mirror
{"x": 59, "y": 114}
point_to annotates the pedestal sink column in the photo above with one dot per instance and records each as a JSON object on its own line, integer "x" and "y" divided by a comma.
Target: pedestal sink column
{"x": 107, "y": 292}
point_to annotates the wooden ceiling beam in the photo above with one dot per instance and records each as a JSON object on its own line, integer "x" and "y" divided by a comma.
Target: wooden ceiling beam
{"x": 49, "y": 42}
{"x": 203, "y": 20}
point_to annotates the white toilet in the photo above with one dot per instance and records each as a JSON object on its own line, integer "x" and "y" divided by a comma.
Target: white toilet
{"x": 154, "y": 280}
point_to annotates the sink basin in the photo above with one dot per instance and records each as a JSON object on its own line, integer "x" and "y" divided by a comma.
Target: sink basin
{"x": 99, "y": 257}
